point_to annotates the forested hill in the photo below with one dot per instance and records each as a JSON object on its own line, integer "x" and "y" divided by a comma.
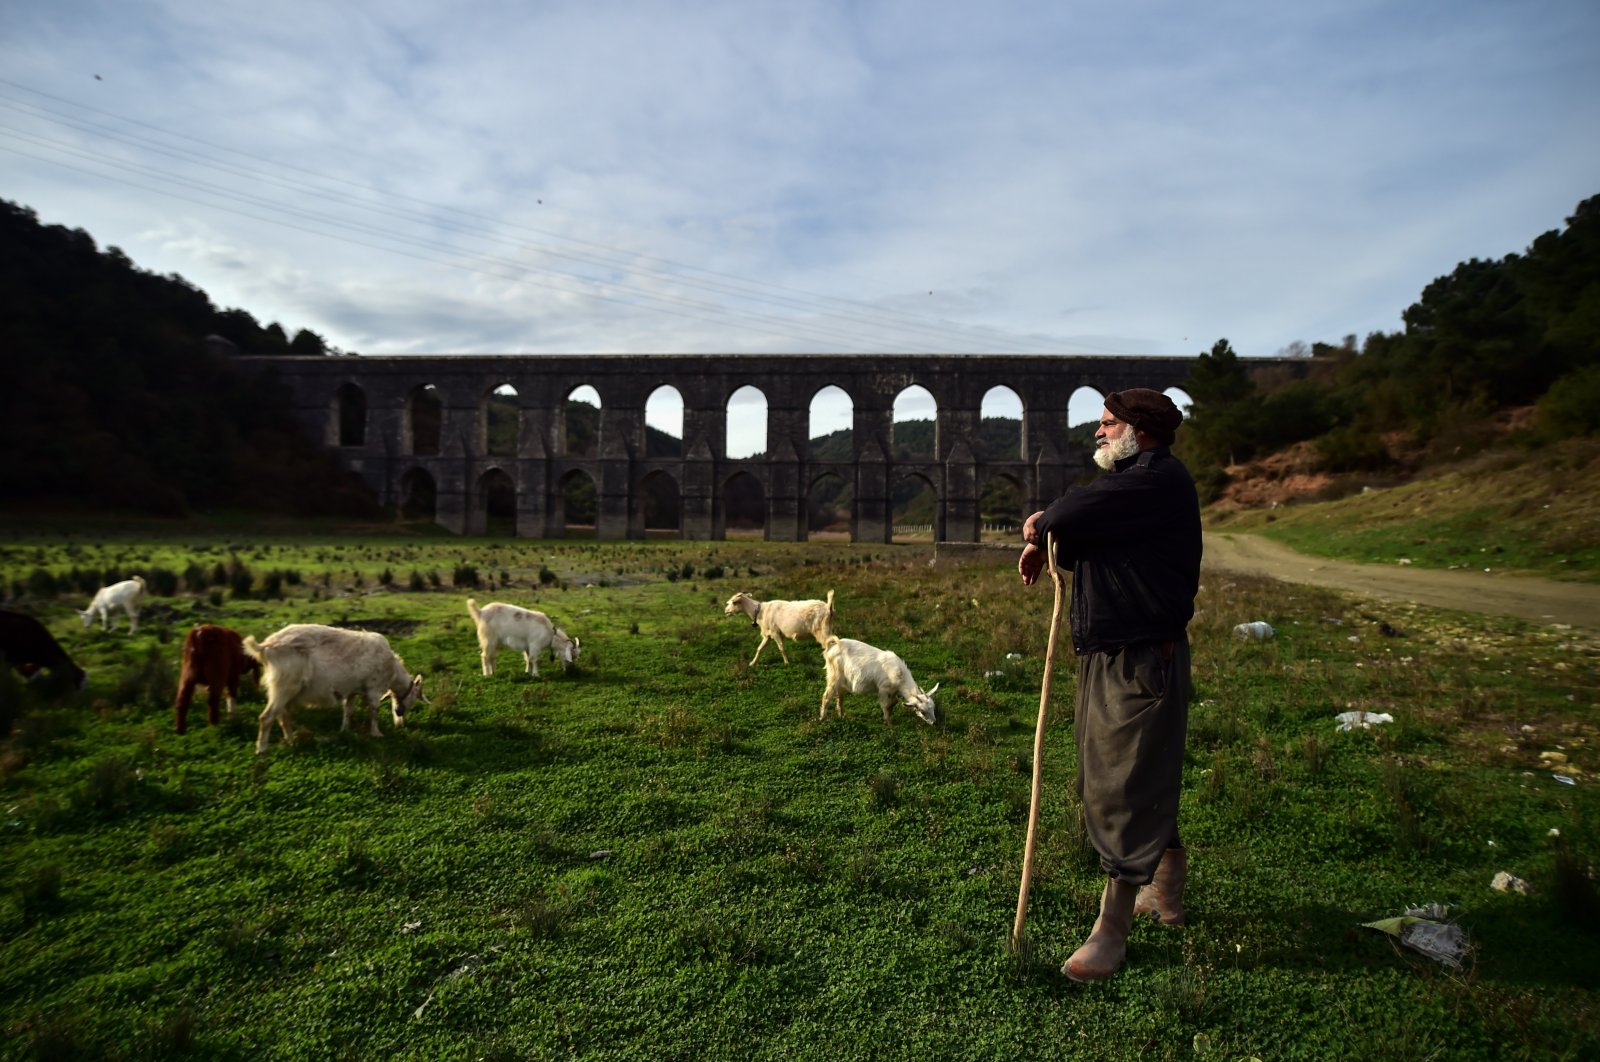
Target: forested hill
{"x": 1491, "y": 335}
{"x": 112, "y": 399}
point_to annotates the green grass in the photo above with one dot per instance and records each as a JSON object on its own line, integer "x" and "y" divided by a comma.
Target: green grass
{"x": 665, "y": 854}
{"x": 1534, "y": 511}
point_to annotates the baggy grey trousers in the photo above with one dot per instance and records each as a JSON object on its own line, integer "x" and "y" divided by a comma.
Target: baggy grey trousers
{"x": 1131, "y": 720}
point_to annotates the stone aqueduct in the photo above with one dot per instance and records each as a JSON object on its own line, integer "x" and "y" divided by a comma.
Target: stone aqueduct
{"x": 362, "y": 406}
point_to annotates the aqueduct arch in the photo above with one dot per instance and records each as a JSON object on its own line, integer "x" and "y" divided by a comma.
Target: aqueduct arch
{"x": 400, "y": 389}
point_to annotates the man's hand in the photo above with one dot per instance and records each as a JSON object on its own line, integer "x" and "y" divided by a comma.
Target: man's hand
{"x": 1030, "y": 564}
{"x": 1030, "y": 530}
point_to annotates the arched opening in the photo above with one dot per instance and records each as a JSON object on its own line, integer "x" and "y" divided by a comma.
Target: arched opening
{"x": 501, "y": 417}
{"x": 914, "y": 507}
{"x": 578, "y": 503}
{"x": 1181, "y": 398}
{"x": 579, "y": 430}
{"x": 744, "y": 506}
{"x": 747, "y": 423}
{"x": 1083, "y": 417}
{"x": 1084, "y": 406}
{"x": 663, "y": 423}
{"x": 1001, "y": 508}
{"x": 425, "y": 417}
{"x": 828, "y": 504}
{"x": 660, "y": 505}
{"x": 419, "y": 496}
{"x": 829, "y": 430}
{"x": 914, "y": 434}
{"x": 499, "y": 498}
{"x": 350, "y": 404}
{"x": 1000, "y": 425}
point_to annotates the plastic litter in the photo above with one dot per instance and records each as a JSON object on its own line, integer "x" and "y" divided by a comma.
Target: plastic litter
{"x": 1504, "y": 882}
{"x": 1564, "y": 779}
{"x": 1427, "y": 930}
{"x": 1352, "y": 720}
{"x": 1259, "y": 631}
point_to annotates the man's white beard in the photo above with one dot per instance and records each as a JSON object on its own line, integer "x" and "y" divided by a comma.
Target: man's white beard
{"x": 1107, "y": 456}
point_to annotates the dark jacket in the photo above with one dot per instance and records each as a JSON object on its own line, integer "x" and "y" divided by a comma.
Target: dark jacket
{"x": 1132, "y": 539}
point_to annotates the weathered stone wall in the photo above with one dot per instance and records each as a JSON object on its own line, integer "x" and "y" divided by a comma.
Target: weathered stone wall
{"x": 386, "y": 452}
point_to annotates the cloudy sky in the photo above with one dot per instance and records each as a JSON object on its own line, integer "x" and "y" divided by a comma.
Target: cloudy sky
{"x": 1047, "y": 176}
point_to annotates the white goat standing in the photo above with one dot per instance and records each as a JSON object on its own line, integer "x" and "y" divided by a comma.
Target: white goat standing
{"x": 780, "y": 619}
{"x": 126, "y": 595}
{"x": 513, "y": 627}
{"x": 309, "y": 665}
{"x": 857, "y": 667}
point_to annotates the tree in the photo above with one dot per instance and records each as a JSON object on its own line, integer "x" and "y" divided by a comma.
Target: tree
{"x": 307, "y": 342}
{"x": 1223, "y": 397}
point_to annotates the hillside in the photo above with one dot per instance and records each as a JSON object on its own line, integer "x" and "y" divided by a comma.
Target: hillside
{"x": 1531, "y": 509}
{"x": 116, "y": 398}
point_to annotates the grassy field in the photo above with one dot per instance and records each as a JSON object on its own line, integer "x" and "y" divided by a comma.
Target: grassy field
{"x": 665, "y": 854}
{"x": 1532, "y": 511}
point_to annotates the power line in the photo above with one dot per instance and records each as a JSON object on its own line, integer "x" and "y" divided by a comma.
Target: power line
{"x": 855, "y": 315}
{"x": 745, "y": 288}
{"x": 516, "y": 269}
{"x": 788, "y": 333}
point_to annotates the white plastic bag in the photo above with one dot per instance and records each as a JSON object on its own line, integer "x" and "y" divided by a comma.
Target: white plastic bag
{"x": 1351, "y": 720}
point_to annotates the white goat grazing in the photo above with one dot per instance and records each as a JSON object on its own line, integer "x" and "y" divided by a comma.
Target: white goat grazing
{"x": 780, "y": 619}
{"x": 502, "y": 626}
{"x": 860, "y": 668}
{"x": 125, "y": 595}
{"x": 308, "y": 665}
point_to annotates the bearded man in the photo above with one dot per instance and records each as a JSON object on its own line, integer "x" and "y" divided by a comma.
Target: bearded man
{"x": 1132, "y": 540}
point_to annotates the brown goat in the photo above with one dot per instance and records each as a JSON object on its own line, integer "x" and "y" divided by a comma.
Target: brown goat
{"x": 213, "y": 656}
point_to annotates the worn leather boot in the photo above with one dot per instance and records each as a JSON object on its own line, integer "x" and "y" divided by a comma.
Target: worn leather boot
{"x": 1103, "y": 953}
{"x": 1163, "y": 897}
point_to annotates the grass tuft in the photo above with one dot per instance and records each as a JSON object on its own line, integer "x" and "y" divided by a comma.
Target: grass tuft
{"x": 540, "y": 917}
{"x": 39, "y": 891}
{"x": 57, "y": 1040}
{"x": 176, "y": 1034}
{"x": 111, "y": 788}
{"x": 1573, "y": 888}
{"x": 707, "y": 937}
{"x": 883, "y": 789}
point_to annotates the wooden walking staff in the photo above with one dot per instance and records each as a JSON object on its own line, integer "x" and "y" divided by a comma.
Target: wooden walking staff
{"x": 1038, "y": 742}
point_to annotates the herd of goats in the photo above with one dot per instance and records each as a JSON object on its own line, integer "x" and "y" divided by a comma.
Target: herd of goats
{"x": 311, "y": 665}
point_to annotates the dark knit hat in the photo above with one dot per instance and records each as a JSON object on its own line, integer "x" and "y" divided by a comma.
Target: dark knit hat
{"x": 1148, "y": 411}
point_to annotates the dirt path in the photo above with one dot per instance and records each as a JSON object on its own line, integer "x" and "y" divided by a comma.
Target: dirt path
{"x": 1526, "y": 597}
